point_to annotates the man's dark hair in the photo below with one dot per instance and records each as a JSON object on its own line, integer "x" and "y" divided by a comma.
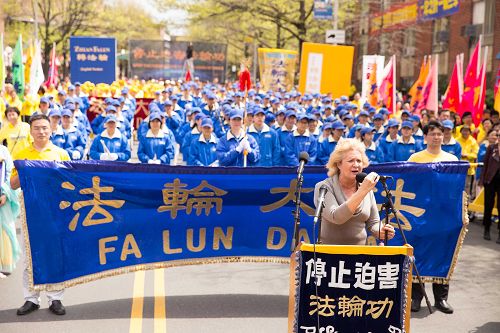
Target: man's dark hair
{"x": 38, "y": 117}
{"x": 432, "y": 125}
{"x": 12, "y": 109}
{"x": 443, "y": 110}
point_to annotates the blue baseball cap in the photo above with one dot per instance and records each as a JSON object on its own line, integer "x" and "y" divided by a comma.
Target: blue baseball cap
{"x": 347, "y": 116}
{"x": 290, "y": 114}
{"x": 302, "y": 116}
{"x": 406, "y": 112}
{"x": 115, "y": 102}
{"x": 168, "y": 103}
{"x": 77, "y": 84}
{"x": 393, "y": 123}
{"x": 66, "y": 113}
{"x": 199, "y": 116}
{"x": 124, "y": 91}
{"x": 281, "y": 111}
{"x": 236, "y": 114}
{"x": 55, "y": 113}
{"x": 407, "y": 123}
{"x": 110, "y": 119}
{"x": 383, "y": 111}
{"x": 61, "y": 92}
{"x": 364, "y": 113}
{"x": 195, "y": 110}
{"x": 45, "y": 99}
{"x": 378, "y": 116}
{"x": 207, "y": 122}
{"x": 448, "y": 124}
{"x": 327, "y": 126}
{"x": 258, "y": 111}
{"x": 71, "y": 87}
{"x": 111, "y": 108}
{"x": 108, "y": 100}
{"x": 270, "y": 117}
{"x": 338, "y": 125}
{"x": 365, "y": 130}
{"x": 415, "y": 117}
{"x": 155, "y": 116}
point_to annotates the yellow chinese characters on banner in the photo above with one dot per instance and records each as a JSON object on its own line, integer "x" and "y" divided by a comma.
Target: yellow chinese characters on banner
{"x": 326, "y": 69}
{"x": 277, "y": 68}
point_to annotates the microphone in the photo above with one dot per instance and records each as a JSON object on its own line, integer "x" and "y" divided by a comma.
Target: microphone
{"x": 321, "y": 202}
{"x": 303, "y": 159}
{"x": 361, "y": 176}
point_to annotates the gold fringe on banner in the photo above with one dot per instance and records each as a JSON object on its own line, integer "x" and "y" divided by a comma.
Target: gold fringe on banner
{"x": 458, "y": 247}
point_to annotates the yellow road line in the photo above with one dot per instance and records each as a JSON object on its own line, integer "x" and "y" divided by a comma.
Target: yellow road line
{"x": 160, "y": 324}
{"x": 137, "y": 303}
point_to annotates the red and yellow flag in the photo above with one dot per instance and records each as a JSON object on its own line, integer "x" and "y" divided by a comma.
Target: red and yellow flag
{"x": 472, "y": 82}
{"x": 373, "y": 91}
{"x": 388, "y": 86}
{"x": 453, "y": 98}
{"x": 418, "y": 86}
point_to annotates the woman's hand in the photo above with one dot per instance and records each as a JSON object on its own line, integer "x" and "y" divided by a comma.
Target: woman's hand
{"x": 369, "y": 182}
{"x": 3, "y": 199}
{"x": 390, "y": 232}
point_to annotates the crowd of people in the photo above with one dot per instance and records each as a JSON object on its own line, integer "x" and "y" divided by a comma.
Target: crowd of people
{"x": 210, "y": 124}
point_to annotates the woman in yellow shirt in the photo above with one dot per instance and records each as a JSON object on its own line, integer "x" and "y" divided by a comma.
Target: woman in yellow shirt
{"x": 15, "y": 132}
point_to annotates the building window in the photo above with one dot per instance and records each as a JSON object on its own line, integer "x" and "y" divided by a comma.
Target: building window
{"x": 440, "y": 35}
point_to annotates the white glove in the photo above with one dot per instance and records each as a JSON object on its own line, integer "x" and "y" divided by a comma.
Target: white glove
{"x": 151, "y": 162}
{"x": 240, "y": 146}
{"x": 247, "y": 146}
{"x": 113, "y": 156}
{"x": 105, "y": 157}
{"x": 75, "y": 155}
{"x": 156, "y": 161}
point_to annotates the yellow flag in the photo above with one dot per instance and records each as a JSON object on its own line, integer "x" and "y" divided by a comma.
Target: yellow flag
{"x": 496, "y": 106}
{"x": 29, "y": 60}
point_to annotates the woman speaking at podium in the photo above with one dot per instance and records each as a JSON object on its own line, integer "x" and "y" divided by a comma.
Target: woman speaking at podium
{"x": 350, "y": 208}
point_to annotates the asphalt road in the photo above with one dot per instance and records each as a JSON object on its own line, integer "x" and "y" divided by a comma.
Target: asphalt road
{"x": 238, "y": 297}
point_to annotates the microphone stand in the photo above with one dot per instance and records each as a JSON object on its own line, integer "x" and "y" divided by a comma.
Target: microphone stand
{"x": 296, "y": 212}
{"x": 388, "y": 207}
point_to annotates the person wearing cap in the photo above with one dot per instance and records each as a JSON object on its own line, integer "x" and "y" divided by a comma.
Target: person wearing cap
{"x": 61, "y": 97}
{"x": 188, "y": 124}
{"x": 348, "y": 121}
{"x": 203, "y": 151}
{"x": 111, "y": 144}
{"x": 405, "y": 115}
{"x": 405, "y": 146}
{"x": 378, "y": 125}
{"x": 450, "y": 145}
{"x": 211, "y": 105}
{"x": 417, "y": 130}
{"x": 470, "y": 148}
{"x": 43, "y": 150}
{"x": 327, "y": 146}
{"x": 249, "y": 117}
{"x": 267, "y": 139}
{"x": 57, "y": 137}
{"x": 15, "y": 134}
{"x": 433, "y": 135}
{"x": 362, "y": 121}
{"x": 313, "y": 126}
{"x": 299, "y": 141}
{"x": 372, "y": 150}
{"x": 385, "y": 141}
{"x": 74, "y": 142}
{"x": 98, "y": 124}
{"x": 172, "y": 118}
{"x": 232, "y": 146}
{"x": 280, "y": 120}
{"x": 193, "y": 134}
{"x": 285, "y": 131}
{"x": 124, "y": 123}
{"x": 155, "y": 147}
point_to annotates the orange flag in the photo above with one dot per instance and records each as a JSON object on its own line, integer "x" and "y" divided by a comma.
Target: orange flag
{"x": 388, "y": 85}
{"x": 373, "y": 91}
{"x": 418, "y": 86}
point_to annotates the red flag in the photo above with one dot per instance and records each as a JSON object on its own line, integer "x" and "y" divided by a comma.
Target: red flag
{"x": 52, "y": 78}
{"x": 497, "y": 81}
{"x": 188, "y": 76}
{"x": 472, "y": 82}
{"x": 480, "y": 94}
{"x": 388, "y": 85}
{"x": 453, "y": 97}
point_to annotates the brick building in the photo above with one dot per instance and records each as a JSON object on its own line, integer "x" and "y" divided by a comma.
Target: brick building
{"x": 412, "y": 40}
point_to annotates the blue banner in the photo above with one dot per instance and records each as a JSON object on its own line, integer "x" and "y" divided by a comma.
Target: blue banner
{"x": 435, "y": 9}
{"x": 107, "y": 218}
{"x": 323, "y": 9}
{"x": 93, "y": 59}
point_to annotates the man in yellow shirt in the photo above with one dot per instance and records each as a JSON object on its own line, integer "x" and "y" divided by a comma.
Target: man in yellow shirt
{"x": 433, "y": 135}
{"x": 44, "y": 150}
{"x": 14, "y": 132}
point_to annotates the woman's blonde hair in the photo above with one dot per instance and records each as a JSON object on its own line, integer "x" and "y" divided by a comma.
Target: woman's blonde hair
{"x": 344, "y": 146}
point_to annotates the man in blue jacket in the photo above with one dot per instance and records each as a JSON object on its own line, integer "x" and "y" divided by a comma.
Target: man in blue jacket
{"x": 372, "y": 150}
{"x": 235, "y": 143}
{"x": 450, "y": 145}
{"x": 300, "y": 140}
{"x": 267, "y": 139}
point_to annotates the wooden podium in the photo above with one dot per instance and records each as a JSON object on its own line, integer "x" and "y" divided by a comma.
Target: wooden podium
{"x": 336, "y": 289}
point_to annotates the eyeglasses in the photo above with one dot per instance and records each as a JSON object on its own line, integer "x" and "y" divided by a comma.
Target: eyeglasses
{"x": 435, "y": 134}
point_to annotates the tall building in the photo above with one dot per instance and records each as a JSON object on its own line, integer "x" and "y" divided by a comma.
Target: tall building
{"x": 414, "y": 29}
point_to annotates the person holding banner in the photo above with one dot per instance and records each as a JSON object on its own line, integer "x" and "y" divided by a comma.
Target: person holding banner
{"x": 40, "y": 149}
{"x": 9, "y": 211}
{"x": 350, "y": 208}
{"x": 433, "y": 135}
